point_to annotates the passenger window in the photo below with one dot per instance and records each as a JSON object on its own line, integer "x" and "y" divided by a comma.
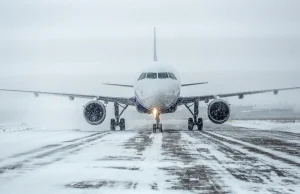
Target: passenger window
{"x": 172, "y": 76}
{"x": 152, "y": 75}
{"x": 163, "y": 75}
{"x": 142, "y": 76}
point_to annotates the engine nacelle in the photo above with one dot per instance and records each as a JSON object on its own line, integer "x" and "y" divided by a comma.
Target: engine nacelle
{"x": 94, "y": 112}
{"x": 218, "y": 111}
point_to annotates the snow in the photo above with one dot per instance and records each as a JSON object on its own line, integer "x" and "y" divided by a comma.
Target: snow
{"x": 22, "y": 141}
{"x": 289, "y": 126}
{"x": 40, "y": 160}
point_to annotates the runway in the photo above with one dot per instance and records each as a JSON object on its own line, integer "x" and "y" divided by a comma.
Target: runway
{"x": 219, "y": 159}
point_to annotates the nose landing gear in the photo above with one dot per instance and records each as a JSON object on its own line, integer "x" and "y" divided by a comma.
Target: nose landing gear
{"x": 157, "y": 125}
{"x": 117, "y": 121}
{"x": 195, "y": 120}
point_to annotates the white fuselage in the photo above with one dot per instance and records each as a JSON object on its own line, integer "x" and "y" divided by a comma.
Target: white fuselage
{"x": 155, "y": 90}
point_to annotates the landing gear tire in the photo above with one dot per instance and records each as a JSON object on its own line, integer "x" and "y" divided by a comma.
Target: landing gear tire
{"x": 195, "y": 120}
{"x": 160, "y": 128}
{"x": 154, "y": 128}
{"x": 122, "y": 124}
{"x": 200, "y": 124}
{"x": 190, "y": 124}
{"x": 113, "y": 124}
{"x": 117, "y": 121}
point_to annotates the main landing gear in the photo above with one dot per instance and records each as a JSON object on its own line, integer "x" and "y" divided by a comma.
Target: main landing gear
{"x": 195, "y": 120}
{"x": 157, "y": 125}
{"x": 117, "y": 121}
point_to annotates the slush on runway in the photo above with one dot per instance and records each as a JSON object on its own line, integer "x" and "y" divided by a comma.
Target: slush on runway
{"x": 221, "y": 159}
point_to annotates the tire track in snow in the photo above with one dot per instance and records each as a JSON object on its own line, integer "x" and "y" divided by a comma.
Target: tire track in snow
{"x": 292, "y": 160}
{"x": 187, "y": 171}
{"x": 279, "y": 141}
{"x": 152, "y": 162}
{"x": 139, "y": 148}
{"x": 47, "y": 147}
{"x": 255, "y": 170}
{"x": 50, "y": 156}
{"x": 140, "y": 141}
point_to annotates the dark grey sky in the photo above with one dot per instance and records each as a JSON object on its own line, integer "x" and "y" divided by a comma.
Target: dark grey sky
{"x": 57, "y": 45}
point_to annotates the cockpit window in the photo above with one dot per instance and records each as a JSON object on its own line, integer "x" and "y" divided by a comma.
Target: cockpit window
{"x": 151, "y": 75}
{"x": 142, "y": 76}
{"x": 160, "y": 75}
{"x": 163, "y": 75}
{"x": 172, "y": 76}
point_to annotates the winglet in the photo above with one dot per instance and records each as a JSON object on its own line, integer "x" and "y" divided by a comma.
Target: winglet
{"x": 154, "y": 46}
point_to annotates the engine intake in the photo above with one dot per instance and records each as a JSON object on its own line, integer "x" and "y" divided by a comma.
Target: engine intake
{"x": 218, "y": 111}
{"x": 94, "y": 112}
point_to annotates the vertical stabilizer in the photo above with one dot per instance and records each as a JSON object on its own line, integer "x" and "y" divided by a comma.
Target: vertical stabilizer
{"x": 154, "y": 46}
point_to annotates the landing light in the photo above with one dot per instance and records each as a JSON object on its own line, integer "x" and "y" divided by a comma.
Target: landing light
{"x": 154, "y": 112}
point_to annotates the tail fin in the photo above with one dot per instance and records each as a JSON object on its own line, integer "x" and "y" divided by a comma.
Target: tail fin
{"x": 154, "y": 46}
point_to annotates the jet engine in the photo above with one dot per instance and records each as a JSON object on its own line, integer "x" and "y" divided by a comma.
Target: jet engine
{"x": 218, "y": 111}
{"x": 94, "y": 112}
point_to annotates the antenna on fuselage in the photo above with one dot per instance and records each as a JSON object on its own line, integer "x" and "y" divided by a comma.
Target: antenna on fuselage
{"x": 154, "y": 46}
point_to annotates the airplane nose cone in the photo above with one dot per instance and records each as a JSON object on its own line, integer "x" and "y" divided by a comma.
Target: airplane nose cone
{"x": 157, "y": 97}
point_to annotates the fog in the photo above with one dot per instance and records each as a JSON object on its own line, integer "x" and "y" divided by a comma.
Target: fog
{"x": 74, "y": 46}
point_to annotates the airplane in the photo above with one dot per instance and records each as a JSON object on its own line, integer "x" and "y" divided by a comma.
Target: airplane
{"x": 156, "y": 91}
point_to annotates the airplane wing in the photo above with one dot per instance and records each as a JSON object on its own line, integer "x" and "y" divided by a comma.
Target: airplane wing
{"x": 127, "y": 101}
{"x": 122, "y": 85}
{"x": 240, "y": 95}
{"x": 191, "y": 84}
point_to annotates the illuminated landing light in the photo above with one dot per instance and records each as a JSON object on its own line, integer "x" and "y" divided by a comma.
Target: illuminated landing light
{"x": 154, "y": 112}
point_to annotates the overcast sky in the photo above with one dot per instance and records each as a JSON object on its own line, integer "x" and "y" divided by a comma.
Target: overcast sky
{"x": 75, "y": 45}
{"x": 73, "y": 36}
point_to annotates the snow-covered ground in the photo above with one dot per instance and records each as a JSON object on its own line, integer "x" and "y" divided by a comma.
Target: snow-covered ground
{"x": 291, "y": 126}
{"x": 220, "y": 159}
